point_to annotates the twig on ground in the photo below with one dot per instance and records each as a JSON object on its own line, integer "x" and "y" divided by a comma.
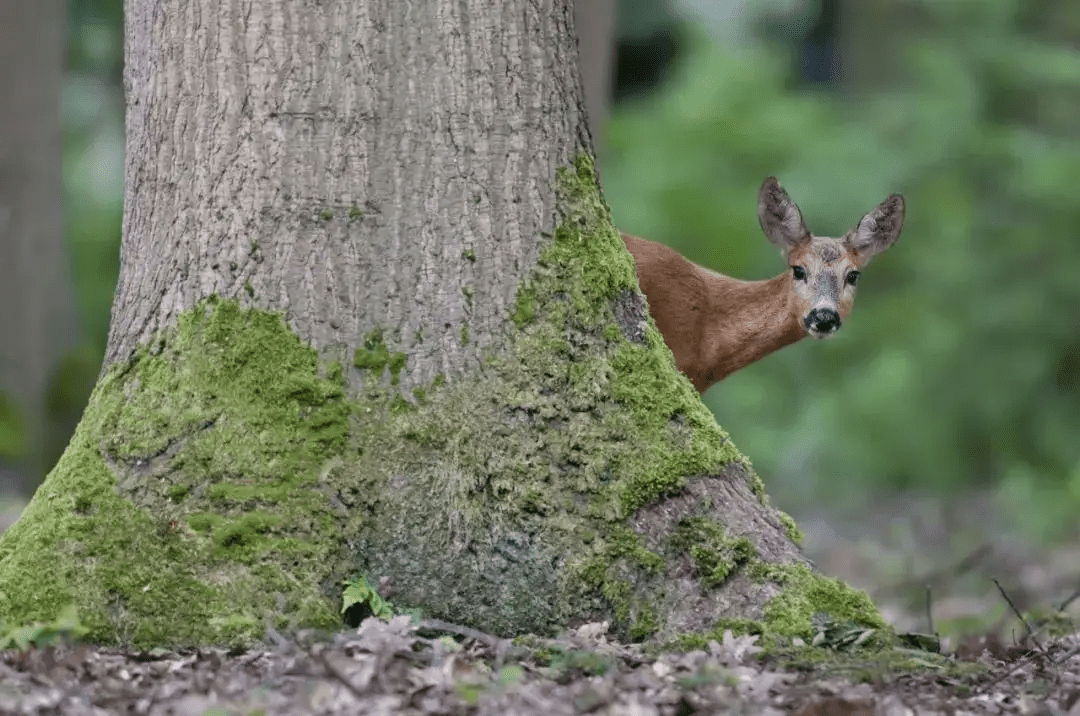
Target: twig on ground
{"x": 500, "y": 646}
{"x": 1030, "y": 631}
{"x": 1021, "y": 662}
{"x": 965, "y": 564}
{"x": 1068, "y": 602}
{"x": 468, "y": 632}
{"x": 929, "y": 611}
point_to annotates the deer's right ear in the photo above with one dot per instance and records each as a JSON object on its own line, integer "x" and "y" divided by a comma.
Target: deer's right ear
{"x": 780, "y": 217}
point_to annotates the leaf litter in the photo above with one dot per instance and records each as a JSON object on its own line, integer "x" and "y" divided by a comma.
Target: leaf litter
{"x": 431, "y": 667}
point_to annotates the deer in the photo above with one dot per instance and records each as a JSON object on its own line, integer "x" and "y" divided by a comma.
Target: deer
{"x": 715, "y": 324}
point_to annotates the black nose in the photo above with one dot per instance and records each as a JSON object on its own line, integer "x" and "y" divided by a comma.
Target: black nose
{"x": 822, "y": 320}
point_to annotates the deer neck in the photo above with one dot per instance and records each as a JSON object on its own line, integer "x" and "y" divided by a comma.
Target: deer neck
{"x": 752, "y": 320}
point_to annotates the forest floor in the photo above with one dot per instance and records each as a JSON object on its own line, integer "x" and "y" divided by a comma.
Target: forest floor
{"x": 907, "y": 555}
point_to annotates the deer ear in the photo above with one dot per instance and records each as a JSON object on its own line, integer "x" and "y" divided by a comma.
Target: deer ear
{"x": 779, "y": 217}
{"x": 878, "y": 230}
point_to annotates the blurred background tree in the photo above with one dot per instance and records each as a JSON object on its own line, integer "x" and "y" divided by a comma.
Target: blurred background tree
{"x": 960, "y": 367}
{"x": 38, "y": 331}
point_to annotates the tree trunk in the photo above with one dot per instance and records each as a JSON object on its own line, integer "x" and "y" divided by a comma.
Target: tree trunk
{"x": 37, "y": 323}
{"x": 373, "y": 320}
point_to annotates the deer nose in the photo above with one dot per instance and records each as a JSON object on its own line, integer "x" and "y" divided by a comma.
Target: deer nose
{"x": 822, "y": 320}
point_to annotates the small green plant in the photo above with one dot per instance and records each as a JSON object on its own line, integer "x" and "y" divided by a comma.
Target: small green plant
{"x": 361, "y": 600}
{"x": 66, "y": 627}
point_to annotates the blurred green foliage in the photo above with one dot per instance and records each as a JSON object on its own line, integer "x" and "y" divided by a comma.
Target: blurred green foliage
{"x": 93, "y": 147}
{"x": 961, "y": 362}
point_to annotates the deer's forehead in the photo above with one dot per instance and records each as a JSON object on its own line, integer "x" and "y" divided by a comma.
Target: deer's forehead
{"x": 823, "y": 250}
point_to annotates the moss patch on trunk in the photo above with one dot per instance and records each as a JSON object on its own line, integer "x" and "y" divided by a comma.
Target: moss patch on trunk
{"x": 188, "y": 506}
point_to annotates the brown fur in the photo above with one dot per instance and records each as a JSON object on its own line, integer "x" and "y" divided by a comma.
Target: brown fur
{"x": 715, "y": 324}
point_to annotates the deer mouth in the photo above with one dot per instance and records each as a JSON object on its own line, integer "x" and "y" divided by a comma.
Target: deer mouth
{"x": 819, "y": 334}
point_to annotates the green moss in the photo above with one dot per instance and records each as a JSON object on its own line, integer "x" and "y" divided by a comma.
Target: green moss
{"x": 376, "y": 357}
{"x": 645, "y": 624}
{"x": 468, "y": 255}
{"x": 237, "y": 630}
{"x": 465, "y": 334}
{"x": 807, "y": 594}
{"x": 809, "y": 603}
{"x": 228, "y": 397}
{"x": 573, "y": 428}
{"x": 395, "y": 364}
{"x": 700, "y": 640}
{"x": 792, "y": 529}
{"x": 326, "y": 215}
{"x": 609, "y": 569}
{"x": 239, "y": 537}
{"x": 714, "y": 553}
{"x": 355, "y": 212}
{"x": 1050, "y": 621}
{"x": 204, "y": 522}
{"x": 876, "y": 663}
{"x": 177, "y": 492}
{"x": 525, "y": 308}
{"x": 249, "y": 289}
{"x": 582, "y": 271}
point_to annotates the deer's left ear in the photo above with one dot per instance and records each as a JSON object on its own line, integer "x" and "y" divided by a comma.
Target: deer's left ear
{"x": 878, "y": 230}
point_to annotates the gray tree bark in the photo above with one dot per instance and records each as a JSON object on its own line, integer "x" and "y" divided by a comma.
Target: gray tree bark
{"x": 374, "y": 323}
{"x": 37, "y": 323}
{"x": 337, "y": 160}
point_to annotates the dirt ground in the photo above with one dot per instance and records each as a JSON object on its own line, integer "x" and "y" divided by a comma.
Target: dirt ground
{"x": 390, "y": 668}
{"x": 930, "y": 566}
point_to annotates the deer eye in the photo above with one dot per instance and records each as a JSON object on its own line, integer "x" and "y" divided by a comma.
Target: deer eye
{"x": 799, "y": 273}
{"x": 852, "y": 278}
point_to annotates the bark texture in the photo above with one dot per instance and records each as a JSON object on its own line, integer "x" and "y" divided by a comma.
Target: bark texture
{"x": 358, "y": 166}
{"x": 374, "y": 323}
{"x": 37, "y": 323}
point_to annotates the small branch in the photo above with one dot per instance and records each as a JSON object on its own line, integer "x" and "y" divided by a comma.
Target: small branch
{"x": 501, "y": 647}
{"x": 1068, "y": 602}
{"x": 1030, "y": 631}
{"x": 965, "y": 564}
{"x": 929, "y": 611}
{"x": 468, "y": 632}
{"x": 1020, "y": 663}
